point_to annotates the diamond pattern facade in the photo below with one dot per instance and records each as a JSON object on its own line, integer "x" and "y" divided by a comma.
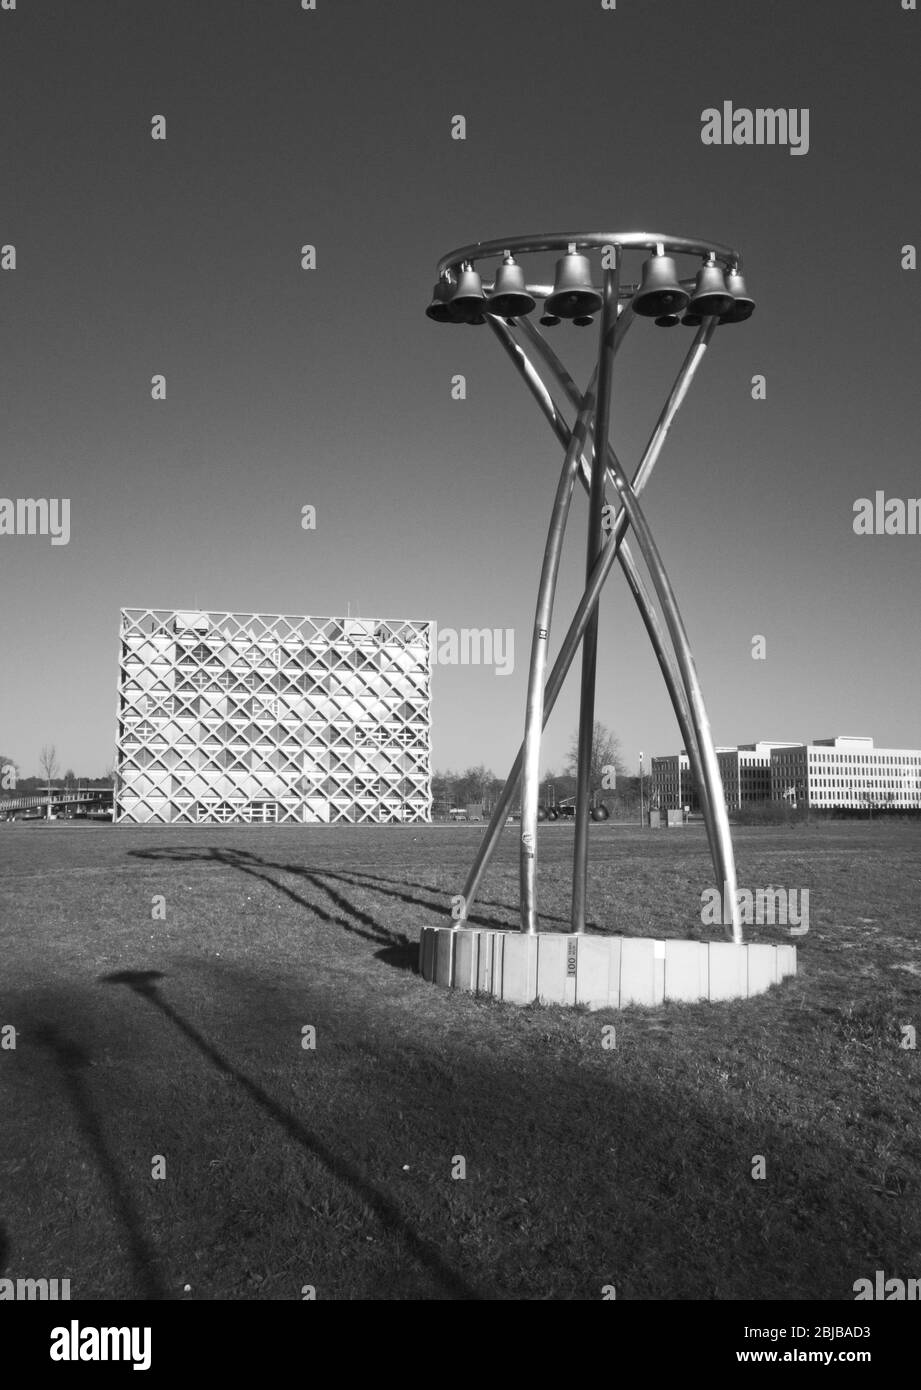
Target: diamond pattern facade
{"x": 250, "y": 717}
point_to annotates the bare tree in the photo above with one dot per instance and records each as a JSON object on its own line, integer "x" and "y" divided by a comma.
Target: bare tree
{"x": 605, "y": 753}
{"x": 472, "y": 785}
{"x": 48, "y": 762}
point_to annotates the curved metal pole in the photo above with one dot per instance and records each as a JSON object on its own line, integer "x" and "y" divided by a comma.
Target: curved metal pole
{"x": 672, "y": 678}
{"x": 670, "y": 674}
{"x": 686, "y": 665}
{"x": 673, "y": 401}
{"x": 534, "y": 716}
{"x": 526, "y": 369}
{"x": 590, "y": 596}
{"x": 594, "y": 547}
{"x": 534, "y": 708}
{"x": 700, "y": 749}
{"x": 672, "y": 405}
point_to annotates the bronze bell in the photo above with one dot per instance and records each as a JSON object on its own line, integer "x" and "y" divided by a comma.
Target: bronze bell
{"x": 438, "y": 308}
{"x": 710, "y": 296}
{"x": 659, "y": 292}
{"x": 743, "y": 306}
{"x": 468, "y": 301}
{"x": 509, "y": 296}
{"x": 574, "y": 295}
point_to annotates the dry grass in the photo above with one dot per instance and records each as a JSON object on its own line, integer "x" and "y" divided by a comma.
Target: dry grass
{"x": 332, "y": 1167}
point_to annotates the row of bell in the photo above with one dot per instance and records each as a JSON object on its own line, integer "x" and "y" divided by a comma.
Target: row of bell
{"x": 574, "y": 297}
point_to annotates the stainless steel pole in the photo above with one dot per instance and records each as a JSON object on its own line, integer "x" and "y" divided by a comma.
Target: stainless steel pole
{"x": 671, "y": 676}
{"x": 704, "y": 767}
{"x": 688, "y": 669}
{"x": 594, "y": 547}
{"x": 535, "y": 720}
{"x": 540, "y": 638}
{"x": 589, "y": 598}
{"x": 675, "y": 689}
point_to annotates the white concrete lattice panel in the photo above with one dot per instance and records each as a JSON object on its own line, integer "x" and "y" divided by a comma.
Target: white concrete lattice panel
{"x": 254, "y": 717}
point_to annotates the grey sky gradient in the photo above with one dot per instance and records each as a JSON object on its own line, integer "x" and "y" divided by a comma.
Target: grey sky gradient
{"x": 330, "y": 387}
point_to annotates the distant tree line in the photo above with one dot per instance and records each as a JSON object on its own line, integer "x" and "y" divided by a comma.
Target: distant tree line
{"x": 609, "y": 782}
{"x": 12, "y": 784}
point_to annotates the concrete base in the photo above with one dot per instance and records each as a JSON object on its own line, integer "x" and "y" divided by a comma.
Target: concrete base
{"x": 601, "y": 972}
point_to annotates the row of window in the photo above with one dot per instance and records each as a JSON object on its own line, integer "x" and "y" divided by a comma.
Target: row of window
{"x": 407, "y": 742}
{"x": 170, "y": 759}
{"x": 128, "y": 802}
{"x": 874, "y": 759}
{"x": 864, "y": 797}
{"x": 861, "y": 782}
{"x": 278, "y": 659}
{"x": 365, "y": 707}
{"x": 241, "y": 703}
{"x": 228, "y": 683}
{"x": 142, "y": 788}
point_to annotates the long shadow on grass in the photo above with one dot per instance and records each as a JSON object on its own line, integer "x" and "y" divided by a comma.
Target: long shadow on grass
{"x": 379, "y": 884}
{"x": 251, "y": 864}
{"x": 72, "y": 1061}
{"x": 144, "y": 984}
{"x": 401, "y": 950}
{"x": 638, "y": 1173}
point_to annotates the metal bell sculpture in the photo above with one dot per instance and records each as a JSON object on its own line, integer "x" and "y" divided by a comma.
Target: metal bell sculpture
{"x": 743, "y": 306}
{"x": 509, "y": 296}
{"x": 574, "y": 296}
{"x": 710, "y": 293}
{"x": 660, "y": 295}
{"x": 467, "y": 301}
{"x": 715, "y": 295}
{"x": 439, "y": 309}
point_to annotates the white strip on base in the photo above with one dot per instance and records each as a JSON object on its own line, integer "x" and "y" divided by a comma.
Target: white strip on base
{"x": 599, "y": 972}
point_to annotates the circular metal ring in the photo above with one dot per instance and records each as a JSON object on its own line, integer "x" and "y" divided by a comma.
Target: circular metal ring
{"x": 727, "y": 256}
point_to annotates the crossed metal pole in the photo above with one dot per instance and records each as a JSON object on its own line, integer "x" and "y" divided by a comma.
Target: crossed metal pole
{"x": 590, "y": 458}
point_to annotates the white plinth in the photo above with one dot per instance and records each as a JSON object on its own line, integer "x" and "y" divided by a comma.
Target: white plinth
{"x": 601, "y": 972}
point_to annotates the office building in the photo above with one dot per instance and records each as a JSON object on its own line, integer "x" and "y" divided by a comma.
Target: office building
{"x": 249, "y": 717}
{"x": 840, "y": 773}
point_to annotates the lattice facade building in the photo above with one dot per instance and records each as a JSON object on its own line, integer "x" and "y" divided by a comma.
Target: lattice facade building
{"x": 250, "y": 717}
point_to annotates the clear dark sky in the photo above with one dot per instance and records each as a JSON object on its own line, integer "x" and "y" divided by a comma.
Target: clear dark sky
{"x": 330, "y": 387}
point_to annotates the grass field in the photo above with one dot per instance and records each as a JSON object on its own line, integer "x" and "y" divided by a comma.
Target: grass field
{"x": 332, "y": 1167}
